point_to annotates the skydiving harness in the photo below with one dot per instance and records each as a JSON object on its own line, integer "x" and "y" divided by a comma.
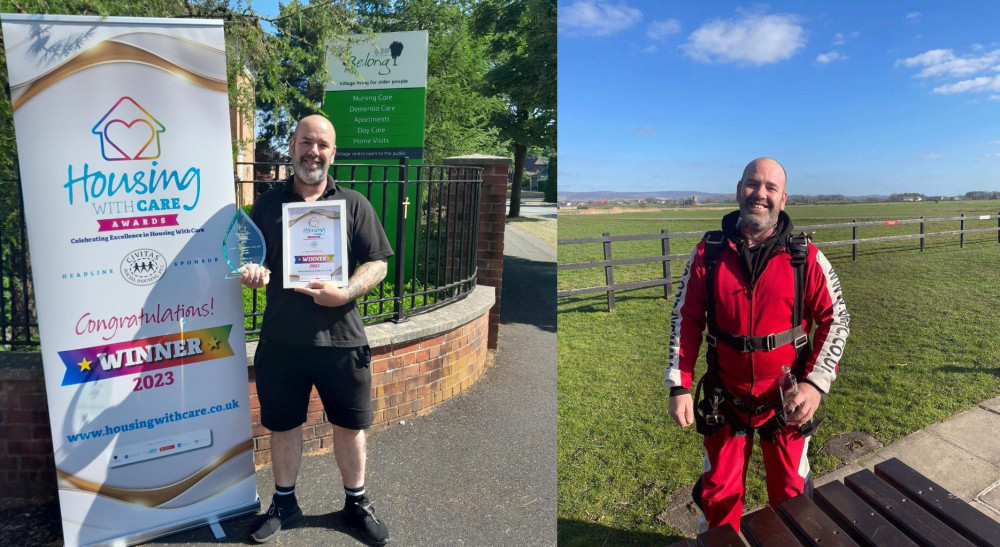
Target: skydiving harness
{"x": 717, "y": 407}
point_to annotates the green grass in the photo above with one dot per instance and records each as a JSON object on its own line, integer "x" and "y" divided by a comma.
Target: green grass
{"x": 922, "y": 347}
{"x": 539, "y": 227}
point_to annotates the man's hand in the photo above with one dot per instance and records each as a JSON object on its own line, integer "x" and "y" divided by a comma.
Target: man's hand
{"x": 682, "y": 409}
{"x": 254, "y": 276}
{"x": 325, "y": 293}
{"x": 805, "y": 403}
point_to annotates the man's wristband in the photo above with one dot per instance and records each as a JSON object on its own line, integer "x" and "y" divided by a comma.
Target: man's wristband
{"x": 677, "y": 390}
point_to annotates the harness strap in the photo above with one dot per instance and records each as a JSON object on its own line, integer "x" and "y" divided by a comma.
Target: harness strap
{"x": 795, "y": 335}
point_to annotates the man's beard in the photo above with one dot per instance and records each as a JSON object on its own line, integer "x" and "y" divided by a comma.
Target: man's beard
{"x": 308, "y": 174}
{"x": 757, "y": 222}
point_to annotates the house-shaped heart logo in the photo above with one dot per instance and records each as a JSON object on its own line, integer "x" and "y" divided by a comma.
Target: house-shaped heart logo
{"x": 129, "y": 132}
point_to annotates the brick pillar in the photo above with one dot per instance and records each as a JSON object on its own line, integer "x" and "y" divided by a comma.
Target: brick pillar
{"x": 492, "y": 217}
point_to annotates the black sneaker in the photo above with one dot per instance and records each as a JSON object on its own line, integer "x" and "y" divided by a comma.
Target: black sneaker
{"x": 269, "y": 524}
{"x": 360, "y": 515}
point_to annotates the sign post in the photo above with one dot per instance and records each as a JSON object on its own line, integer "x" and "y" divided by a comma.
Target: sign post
{"x": 379, "y": 118}
{"x": 122, "y": 129}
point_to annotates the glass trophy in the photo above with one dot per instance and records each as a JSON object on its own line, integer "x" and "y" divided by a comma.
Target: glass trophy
{"x": 244, "y": 244}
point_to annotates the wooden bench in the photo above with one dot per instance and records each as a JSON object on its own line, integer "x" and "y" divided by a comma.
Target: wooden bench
{"x": 863, "y": 523}
{"x": 945, "y": 506}
{"x": 906, "y": 509}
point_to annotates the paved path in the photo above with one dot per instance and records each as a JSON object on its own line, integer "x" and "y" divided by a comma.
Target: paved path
{"x": 481, "y": 468}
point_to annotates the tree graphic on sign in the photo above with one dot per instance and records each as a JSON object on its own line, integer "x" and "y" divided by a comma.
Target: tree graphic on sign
{"x": 396, "y": 49}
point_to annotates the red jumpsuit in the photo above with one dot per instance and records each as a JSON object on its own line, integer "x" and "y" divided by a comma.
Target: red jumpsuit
{"x": 762, "y": 309}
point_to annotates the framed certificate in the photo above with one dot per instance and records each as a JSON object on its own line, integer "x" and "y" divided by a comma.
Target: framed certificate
{"x": 314, "y": 235}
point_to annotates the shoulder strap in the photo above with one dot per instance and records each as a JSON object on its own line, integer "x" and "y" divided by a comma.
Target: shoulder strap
{"x": 715, "y": 242}
{"x": 798, "y": 248}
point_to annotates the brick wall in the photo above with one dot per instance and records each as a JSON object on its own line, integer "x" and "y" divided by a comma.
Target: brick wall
{"x": 408, "y": 379}
{"x": 26, "y": 461}
{"x": 492, "y": 222}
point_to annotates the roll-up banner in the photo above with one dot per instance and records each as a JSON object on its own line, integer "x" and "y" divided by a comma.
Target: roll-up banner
{"x": 123, "y": 141}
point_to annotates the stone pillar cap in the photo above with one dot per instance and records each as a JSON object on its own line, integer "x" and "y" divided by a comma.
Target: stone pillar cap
{"x": 479, "y": 159}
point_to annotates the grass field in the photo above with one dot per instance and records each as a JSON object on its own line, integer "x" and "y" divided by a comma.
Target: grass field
{"x": 922, "y": 347}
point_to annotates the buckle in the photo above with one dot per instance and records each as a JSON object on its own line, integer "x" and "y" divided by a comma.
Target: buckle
{"x": 714, "y": 419}
{"x": 709, "y": 237}
{"x": 770, "y": 342}
{"x": 801, "y": 341}
{"x": 710, "y": 340}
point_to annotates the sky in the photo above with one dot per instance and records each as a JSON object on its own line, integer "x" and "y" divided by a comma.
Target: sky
{"x": 854, "y": 98}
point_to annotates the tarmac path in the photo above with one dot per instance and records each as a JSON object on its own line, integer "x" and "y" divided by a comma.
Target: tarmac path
{"x": 478, "y": 470}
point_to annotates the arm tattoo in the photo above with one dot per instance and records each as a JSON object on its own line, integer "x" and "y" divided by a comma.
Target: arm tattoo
{"x": 365, "y": 277}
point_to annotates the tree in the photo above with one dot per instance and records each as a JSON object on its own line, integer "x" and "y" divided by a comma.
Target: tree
{"x": 522, "y": 42}
{"x": 289, "y": 81}
{"x": 551, "y": 194}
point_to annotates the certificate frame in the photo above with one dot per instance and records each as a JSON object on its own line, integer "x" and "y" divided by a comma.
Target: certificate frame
{"x": 314, "y": 243}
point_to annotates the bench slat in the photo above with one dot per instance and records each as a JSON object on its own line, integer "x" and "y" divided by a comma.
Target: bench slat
{"x": 906, "y": 515}
{"x": 950, "y": 509}
{"x": 721, "y": 536}
{"x": 812, "y": 524}
{"x": 764, "y": 528}
{"x": 866, "y": 525}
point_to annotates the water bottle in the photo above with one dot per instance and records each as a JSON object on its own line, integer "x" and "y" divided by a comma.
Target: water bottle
{"x": 788, "y": 389}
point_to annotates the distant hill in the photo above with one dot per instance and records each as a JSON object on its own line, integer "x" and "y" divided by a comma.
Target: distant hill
{"x": 599, "y": 195}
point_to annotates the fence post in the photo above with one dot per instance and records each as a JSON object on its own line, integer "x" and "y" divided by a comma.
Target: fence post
{"x": 961, "y": 234}
{"x": 922, "y": 234}
{"x": 854, "y": 237}
{"x": 609, "y": 274}
{"x": 402, "y": 203}
{"x": 665, "y": 246}
{"x": 998, "y": 228}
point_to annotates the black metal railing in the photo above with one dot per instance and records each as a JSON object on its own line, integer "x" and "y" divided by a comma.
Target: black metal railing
{"x": 429, "y": 212}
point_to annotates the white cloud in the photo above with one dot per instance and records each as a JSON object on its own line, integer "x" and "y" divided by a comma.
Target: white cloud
{"x": 644, "y": 131}
{"x": 928, "y": 58}
{"x": 660, "y": 30}
{"x": 855, "y": 34}
{"x": 913, "y": 17}
{"x": 961, "y": 67}
{"x": 753, "y": 39}
{"x": 995, "y": 98}
{"x": 943, "y": 64}
{"x": 596, "y": 18}
{"x": 977, "y": 47}
{"x": 825, "y": 58}
{"x": 649, "y": 49}
{"x": 994, "y": 155}
{"x": 932, "y": 156}
{"x": 983, "y": 83}
{"x": 838, "y": 39}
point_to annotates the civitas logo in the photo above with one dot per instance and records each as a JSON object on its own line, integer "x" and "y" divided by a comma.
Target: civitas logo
{"x": 143, "y": 267}
{"x": 129, "y": 132}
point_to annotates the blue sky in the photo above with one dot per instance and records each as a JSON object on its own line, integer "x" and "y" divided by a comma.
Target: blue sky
{"x": 852, "y": 98}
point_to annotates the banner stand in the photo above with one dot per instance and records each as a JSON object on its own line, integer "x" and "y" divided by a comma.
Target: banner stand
{"x": 124, "y": 148}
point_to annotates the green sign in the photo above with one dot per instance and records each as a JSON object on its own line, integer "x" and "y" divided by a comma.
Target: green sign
{"x": 379, "y": 118}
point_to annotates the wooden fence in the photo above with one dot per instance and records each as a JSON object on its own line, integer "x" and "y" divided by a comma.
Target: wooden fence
{"x": 665, "y": 258}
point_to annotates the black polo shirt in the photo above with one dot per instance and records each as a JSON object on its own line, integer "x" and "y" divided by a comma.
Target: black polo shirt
{"x": 293, "y": 318}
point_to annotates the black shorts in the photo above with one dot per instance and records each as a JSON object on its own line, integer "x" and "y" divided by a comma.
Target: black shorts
{"x": 285, "y": 375}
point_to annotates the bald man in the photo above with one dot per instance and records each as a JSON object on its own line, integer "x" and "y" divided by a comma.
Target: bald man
{"x": 759, "y": 291}
{"x": 314, "y": 336}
